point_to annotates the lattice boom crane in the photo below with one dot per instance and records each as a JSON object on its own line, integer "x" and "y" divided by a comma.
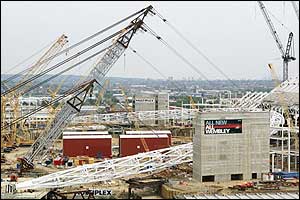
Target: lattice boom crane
{"x": 69, "y": 110}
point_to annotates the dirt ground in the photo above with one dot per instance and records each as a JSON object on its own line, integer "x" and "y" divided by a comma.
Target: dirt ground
{"x": 179, "y": 177}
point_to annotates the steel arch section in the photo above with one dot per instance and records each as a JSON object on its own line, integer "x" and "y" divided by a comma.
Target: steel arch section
{"x": 115, "y": 168}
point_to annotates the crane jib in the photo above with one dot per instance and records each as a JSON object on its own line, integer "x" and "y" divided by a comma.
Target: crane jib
{"x": 69, "y": 110}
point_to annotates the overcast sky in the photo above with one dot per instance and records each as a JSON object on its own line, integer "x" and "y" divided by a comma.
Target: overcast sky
{"x": 234, "y": 35}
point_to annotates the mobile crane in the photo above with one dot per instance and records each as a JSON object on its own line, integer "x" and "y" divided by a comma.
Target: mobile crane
{"x": 13, "y": 98}
{"x": 69, "y": 110}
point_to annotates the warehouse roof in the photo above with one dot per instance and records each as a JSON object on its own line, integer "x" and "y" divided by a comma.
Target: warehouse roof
{"x": 149, "y": 132}
{"x": 85, "y": 133}
{"x": 144, "y": 136}
{"x": 86, "y": 136}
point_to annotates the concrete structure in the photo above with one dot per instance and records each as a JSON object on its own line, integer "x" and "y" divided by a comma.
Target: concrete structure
{"x": 231, "y": 146}
{"x": 151, "y": 101}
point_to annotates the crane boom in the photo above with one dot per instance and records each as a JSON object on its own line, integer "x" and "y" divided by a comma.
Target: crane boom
{"x": 66, "y": 94}
{"x": 284, "y": 54}
{"x": 287, "y": 57}
{"x": 14, "y": 96}
{"x": 68, "y": 111}
{"x": 271, "y": 27}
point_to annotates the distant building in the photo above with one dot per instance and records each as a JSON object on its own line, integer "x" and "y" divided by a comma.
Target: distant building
{"x": 170, "y": 78}
{"x": 151, "y": 101}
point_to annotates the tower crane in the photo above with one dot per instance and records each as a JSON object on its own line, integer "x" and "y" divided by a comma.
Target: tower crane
{"x": 68, "y": 111}
{"x": 285, "y": 54}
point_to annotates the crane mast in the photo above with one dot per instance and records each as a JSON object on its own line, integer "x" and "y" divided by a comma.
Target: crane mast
{"x": 285, "y": 54}
{"x": 287, "y": 57}
{"x": 70, "y": 109}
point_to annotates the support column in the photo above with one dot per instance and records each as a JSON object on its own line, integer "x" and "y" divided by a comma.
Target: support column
{"x": 296, "y": 163}
{"x": 129, "y": 192}
{"x": 282, "y": 158}
{"x": 273, "y": 157}
{"x": 289, "y": 150}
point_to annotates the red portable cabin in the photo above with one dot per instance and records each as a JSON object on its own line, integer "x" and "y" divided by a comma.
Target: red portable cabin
{"x": 132, "y": 144}
{"x": 154, "y": 132}
{"x": 91, "y": 143}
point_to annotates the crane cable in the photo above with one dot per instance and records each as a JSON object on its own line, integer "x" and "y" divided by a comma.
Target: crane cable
{"x": 276, "y": 19}
{"x": 59, "y": 64}
{"x": 195, "y": 48}
{"x": 152, "y": 66}
{"x": 66, "y": 94}
{"x": 176, "y": 52}
{"x": 91, "y": 37}
{"x": 22, "y": 62}
{"x": 159, "y": 72}
{"x": 65, "y": 70}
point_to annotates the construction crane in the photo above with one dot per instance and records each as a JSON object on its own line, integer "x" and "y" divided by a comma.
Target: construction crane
{"x": 126, "y": 105}
{"x": 68, "y": 111}
{"x": 101, "y": 93}
{"x": 129, "y": 109}
{"x": 295, "y": 9}
{"x": 285, "y": 109}
{"x": 285, "y": 54}
{"x": 14, "y": 96}
{"x": 192, "y": 102}
{"x": 89, "y": 122}
{"x": 85, "y": 88}
{"x": 153, "y": 161}
{"x": 53, "y": 95}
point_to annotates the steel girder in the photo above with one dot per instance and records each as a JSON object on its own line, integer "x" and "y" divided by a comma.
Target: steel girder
{"x": 114, "y": 168}
{"x": 126, "y": 117}
{"x": 67, "y": 113}
{"x": 256, "y": 99}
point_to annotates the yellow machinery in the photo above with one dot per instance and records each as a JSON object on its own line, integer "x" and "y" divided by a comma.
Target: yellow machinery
{"x": 145, "y": 144}
{"x": 127, "y": 107}
{"x": 53, "y": 95}
{"x": 284, "y": 107}
{"x": 192, "y": 102}
{"x": 101, "y": 93}
{"x": 12, "y": 138}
